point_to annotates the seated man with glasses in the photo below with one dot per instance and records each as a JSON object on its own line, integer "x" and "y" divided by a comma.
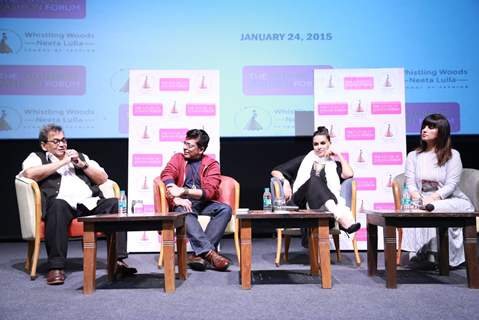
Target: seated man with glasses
{"x": 192, "y": 180}
{"x": 69, "y": 182}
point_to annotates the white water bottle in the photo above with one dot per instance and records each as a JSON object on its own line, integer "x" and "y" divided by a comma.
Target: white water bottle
{"x": 122, "y": 203}
{"x": 267, "y": 205}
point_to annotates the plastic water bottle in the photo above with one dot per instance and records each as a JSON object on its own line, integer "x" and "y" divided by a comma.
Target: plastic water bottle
{"x": 406, "y": 202}
{"x": 267, "y": 206}
{"x": 122, "y": 203}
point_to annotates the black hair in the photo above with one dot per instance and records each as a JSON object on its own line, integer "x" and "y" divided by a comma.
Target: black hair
{"x": 201, "y": 136}
{"x": 322, "y": 131}
{"x": 443, "y": 140}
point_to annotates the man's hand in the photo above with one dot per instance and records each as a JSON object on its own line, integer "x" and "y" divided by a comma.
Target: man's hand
{"x": 185, "y": 203}
{"x": 175, "y": 191}
{"x": 74, "y": 157}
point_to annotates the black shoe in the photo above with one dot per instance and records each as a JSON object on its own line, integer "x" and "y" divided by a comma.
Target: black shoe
{"x": 352, "y": 228}
{"x": 123, "y": 270}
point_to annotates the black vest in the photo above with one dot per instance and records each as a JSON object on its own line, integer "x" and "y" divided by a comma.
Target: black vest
{"x": 50, "y": 186}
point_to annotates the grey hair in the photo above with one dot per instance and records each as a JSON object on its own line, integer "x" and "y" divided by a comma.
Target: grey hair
{"x": 43, "y": 135}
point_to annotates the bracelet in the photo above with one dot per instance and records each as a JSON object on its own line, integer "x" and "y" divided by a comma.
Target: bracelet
{"x": 186, "y": 191}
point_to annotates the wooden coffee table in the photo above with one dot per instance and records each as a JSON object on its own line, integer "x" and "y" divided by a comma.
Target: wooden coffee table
{"x": 111, "y": 223}
{"x": 317, "y": 221}
{"x": 392, "y": 219}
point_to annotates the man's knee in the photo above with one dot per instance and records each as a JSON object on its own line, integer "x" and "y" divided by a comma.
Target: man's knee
{"x": 110, "y": 205}
{"x": 57, "y": 206}
{"x": 225, "y": 210}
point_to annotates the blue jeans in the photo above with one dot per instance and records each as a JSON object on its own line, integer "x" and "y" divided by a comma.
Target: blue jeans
{"x": 204, "y": 241}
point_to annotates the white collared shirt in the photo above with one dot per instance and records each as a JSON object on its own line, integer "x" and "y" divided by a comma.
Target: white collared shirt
{"x": 72, "y": 189}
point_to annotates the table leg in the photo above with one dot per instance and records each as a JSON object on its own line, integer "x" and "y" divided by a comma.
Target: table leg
{"x": 372, "y": 249}
{"x": 169, "y": 256}
{"x": 314, "y": 250}
{"x": 246, "y": 252}
{"x": 325, "y": 259}
{"x": 390, "y": 256}
{"x": 111, "y": 255}
{"x": 89, "y": 258}
{"x": 470, "y": 250}
{"x": 443, "y": 250}
{"x": 181, "y": 245}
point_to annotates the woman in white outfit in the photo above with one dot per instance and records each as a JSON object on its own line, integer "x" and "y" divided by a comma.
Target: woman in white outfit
{"x": 433, "y": 172}
{"x": 314, "y": 179}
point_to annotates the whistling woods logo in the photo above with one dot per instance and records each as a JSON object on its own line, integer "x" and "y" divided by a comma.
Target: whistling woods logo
{"x": 10, "y": 42}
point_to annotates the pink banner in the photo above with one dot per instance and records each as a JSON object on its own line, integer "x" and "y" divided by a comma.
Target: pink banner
{"x": 360, "y": 133}
{"x": 200, "y": 109}
{"x": 383, "y": 205}
{"x": 147, "y": 109}
{"x": 174, "y": 84}
{"x": 148, "y": 208}
{"x": 173, "y": 134}
{"x": 327, "y": 109}
{"x": 386, "y": 107}
{"x": 387, "y": 158}
{"x": 42, "y": 80}
{"x": 362, "y": 234}
{"x": 147, "y": 160}
{"x": 368, "y": 183}
{"x": 358, "y": 83}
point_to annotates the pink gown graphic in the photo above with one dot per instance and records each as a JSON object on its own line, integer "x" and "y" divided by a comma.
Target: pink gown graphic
{"x": 174, "y": 110}
{"x": 4, "y": 126}
{"x": 387, "y": 82}
{"x": 146, "y": 85}
{"x": 146, "y": 135}
{"x": 359, "y": 107}
{"x": 389, "y": 132}
{"x": 4, "y": 47}
{"x": 126, "y": 86}
{"x": 390, "y": 182}
{"x": 330, "y": 82}
{"x": 252, "y": 124}
{"x": 203, "y": 83}
{"x": 332, "y": 134}
{"x": 145, "y": 183}
{"x": 361, "y": 157}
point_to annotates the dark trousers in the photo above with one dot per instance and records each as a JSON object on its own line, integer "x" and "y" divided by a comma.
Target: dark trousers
{"x": 204, "y": 241}
{"x": 58, "y": 216}
{"x": 314, "y": 192}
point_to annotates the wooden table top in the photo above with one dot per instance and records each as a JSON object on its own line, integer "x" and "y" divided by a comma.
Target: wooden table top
{"x": 147, "y": 216}
{"x": 262, "y": 214}
{"x": 415, "y": 213}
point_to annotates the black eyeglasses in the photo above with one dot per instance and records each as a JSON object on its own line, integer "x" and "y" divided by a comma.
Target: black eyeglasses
{"x": 57, "y": 141}
{"x": 189, "y": 145}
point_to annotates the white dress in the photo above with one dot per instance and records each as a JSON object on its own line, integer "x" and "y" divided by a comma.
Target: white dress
{"x": 423, "y": 166}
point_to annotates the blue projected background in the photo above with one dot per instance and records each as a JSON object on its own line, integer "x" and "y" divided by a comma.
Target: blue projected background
{"x": 67, "y": 61}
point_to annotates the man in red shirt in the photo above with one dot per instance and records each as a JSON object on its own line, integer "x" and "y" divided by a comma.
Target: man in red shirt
{"x": 192, "y": 180}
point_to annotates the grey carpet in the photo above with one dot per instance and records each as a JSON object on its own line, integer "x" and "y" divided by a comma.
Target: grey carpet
{"x": 287, "y": 292}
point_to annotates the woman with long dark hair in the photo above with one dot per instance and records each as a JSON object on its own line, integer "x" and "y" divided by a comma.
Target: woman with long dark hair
{"x": 433, "y": 172}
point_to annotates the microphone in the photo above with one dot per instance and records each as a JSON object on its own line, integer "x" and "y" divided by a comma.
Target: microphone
{"x": 428, "y": 207}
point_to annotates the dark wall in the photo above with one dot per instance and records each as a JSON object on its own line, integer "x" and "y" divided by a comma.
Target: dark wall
{"x": 248, "y": 160}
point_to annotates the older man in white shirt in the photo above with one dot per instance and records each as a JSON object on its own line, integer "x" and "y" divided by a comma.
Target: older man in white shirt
{"x": 69, "y": 183}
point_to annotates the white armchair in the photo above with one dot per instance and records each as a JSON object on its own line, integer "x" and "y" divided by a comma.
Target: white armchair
{"x": 32, "y": 226}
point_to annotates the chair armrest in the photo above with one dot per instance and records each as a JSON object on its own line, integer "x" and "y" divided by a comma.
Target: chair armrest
{"x": 110, "y": 189}
{"x": 29, "y": 206}
{"x": 159, "y": 195}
